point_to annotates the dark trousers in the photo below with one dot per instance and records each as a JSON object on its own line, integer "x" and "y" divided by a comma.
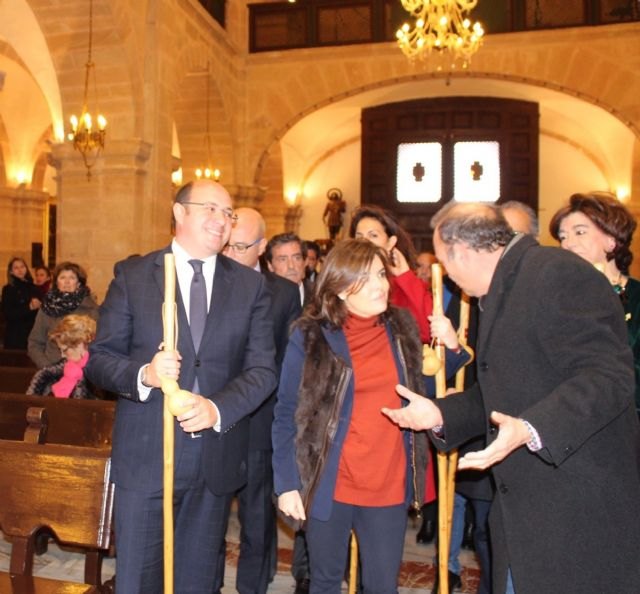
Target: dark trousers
{"x": 300, "y": 561}
{"x": 380, "y": 532}
{"x": 257, "y": 517}
{"x": 481, "y": 510}
{"x": 198, "y": 517}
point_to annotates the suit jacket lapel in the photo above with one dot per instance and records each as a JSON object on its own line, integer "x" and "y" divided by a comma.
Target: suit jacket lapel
{"x": 493, "y": 301}
{"x": 185, "y": 344}
{"x": 222, "y": 283}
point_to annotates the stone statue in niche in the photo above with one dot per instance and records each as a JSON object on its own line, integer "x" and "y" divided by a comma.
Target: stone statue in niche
{"x": 334, "y": 212}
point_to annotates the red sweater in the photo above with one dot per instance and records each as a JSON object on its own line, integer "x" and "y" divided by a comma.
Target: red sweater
{"x": 372, "y": 469}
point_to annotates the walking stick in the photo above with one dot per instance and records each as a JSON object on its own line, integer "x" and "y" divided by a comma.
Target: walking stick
{"x": 169, "y": 325}
{"x": 444, "y": 529}
{"x": 353, "y": 564}
{"x": 463, "y": 327}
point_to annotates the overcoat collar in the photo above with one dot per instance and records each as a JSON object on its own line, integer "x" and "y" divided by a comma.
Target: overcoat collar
{"x": 503, "y": 278}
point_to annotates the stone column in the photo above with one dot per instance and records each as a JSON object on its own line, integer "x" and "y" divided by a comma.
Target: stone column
{"x": 246, "y": 196}
{"x": 101, "y": 220}
{"x": 22, "y": 217}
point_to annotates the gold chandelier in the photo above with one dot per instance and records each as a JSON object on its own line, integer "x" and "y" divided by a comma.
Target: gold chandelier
{"x": 442, "y": 25}
{"x": 208, "y": 171}
{"x": 87, "y": 138}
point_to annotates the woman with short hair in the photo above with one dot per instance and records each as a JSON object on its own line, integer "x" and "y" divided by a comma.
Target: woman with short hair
{"x": 598, "y": 227}
{"x": 68, "y": 294}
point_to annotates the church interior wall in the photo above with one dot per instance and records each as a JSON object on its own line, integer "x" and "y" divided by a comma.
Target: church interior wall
{"x": 149, "y": 61}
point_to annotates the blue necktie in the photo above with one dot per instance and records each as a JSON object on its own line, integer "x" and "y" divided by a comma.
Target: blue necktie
{"x": 197, "y": 303}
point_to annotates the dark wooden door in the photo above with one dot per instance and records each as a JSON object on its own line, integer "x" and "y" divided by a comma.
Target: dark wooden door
{"x": 511, "y": 123}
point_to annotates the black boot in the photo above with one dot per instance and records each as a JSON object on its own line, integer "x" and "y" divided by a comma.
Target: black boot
{"x": 469, "y": 528}
{"x": 427, "y": 531}
{"x": 455, "y": 583}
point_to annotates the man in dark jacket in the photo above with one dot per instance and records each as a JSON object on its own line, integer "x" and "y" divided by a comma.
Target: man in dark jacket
{"x": 224, "y": 357}
{"x": 554, "y": 397}
{"x": 255, "y": 500}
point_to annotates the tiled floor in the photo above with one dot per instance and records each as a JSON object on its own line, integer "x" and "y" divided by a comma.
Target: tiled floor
{"x": 416, "y": 576}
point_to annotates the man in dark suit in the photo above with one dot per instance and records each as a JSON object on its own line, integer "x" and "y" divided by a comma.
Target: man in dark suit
{"x": 286, "y": 255}
{"x": 256, "y": 510}
{"x": 224, "y": 356}
{"x": 554, "y": 397}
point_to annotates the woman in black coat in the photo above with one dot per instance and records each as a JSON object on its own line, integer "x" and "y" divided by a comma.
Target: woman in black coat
{"x": 20, "y": 304}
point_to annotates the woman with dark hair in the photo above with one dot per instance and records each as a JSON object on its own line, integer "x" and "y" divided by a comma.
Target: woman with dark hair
{"x": 69, "y": 294}
{"x": 407, "y": 290}
{"x": 339, "y": 465}
{"x": 20, "y": 303}
{"x": 597, "y": 227}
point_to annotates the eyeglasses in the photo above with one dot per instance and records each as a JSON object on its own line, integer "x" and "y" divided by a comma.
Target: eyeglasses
{"x": 241, "y": 248}
{"x": 214, "y": 208}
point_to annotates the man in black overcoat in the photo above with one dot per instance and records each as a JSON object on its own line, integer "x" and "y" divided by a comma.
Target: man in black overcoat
{"x": 554, "y": 397}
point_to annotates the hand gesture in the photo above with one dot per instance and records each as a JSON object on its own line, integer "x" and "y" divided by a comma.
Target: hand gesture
{"x": 420, "y": 413}
{"x": 398, "y": 262}
{"x": 512, "y": 433}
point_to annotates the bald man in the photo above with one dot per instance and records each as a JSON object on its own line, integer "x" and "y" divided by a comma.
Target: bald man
{"x": 521, "y": 217}
{"x": 255, "y": 505}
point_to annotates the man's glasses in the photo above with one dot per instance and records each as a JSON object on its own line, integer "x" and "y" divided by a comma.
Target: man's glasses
{"x": 213, "y": 208}
{"x": 241, "y": 248}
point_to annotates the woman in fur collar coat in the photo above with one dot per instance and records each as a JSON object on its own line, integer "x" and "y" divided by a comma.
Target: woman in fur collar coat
{"x": 339, "y": 464}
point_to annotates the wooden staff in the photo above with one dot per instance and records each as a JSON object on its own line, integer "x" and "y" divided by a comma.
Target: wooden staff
{"x": 169, "y": 325}
{"x": 444, "y": 529}
{"x": 463, "y": 328}
{"x": 353, "y": 564}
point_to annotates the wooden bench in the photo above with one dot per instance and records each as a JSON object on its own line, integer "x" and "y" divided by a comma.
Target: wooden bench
{"x": 16, "y": 358}
{"x": 63, "y": 489}
{"x": 15, "y": 379}
{"x": 86, "y": 423}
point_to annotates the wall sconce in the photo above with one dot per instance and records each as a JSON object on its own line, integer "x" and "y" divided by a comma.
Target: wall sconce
{"x": 22, "y": 178}
{"x": 291, "y": 197}
{"x": 176, "y": 177}
{"x": 622, "y": 193}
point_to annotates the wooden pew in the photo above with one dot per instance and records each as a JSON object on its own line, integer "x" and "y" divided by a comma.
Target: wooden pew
{"x": 15, "y": 379}
{"x": 63, "y": 489}
{"x": 86, "y": 423}
{"x": 16, "y": 358}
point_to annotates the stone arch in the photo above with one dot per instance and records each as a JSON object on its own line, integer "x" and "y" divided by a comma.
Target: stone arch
{"x": 279, "y": 133}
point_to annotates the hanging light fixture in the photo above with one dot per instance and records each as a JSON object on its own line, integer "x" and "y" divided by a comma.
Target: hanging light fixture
{"x": 441, "y": 25}
{"x": 208, "y": 171}
{"x": 87, "y": 137}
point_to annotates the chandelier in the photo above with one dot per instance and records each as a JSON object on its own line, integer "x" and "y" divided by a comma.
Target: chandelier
{"x": 207, "y": 171}
{"x": 87, "y": 138}
{"x": 442, "y": 25}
